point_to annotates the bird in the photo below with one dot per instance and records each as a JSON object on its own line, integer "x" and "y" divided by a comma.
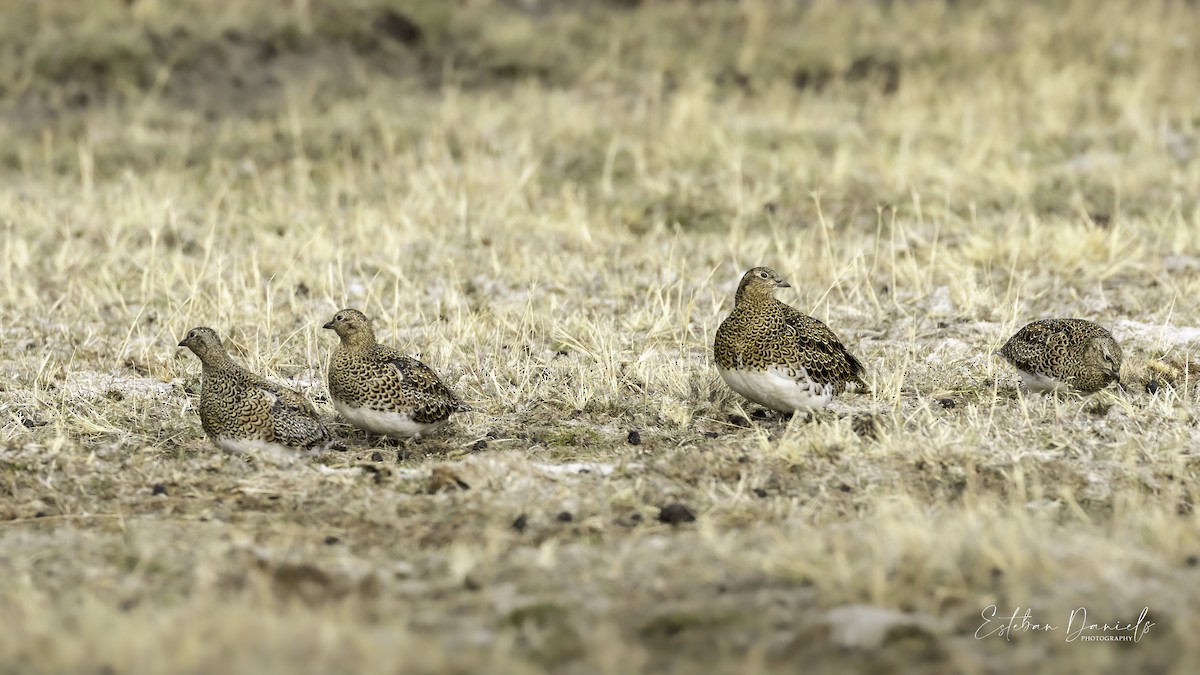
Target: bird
{"x": 242, "y": 412}
{"x": 379, "y": 389}
{"x": 777, "y": 356}
{"x": 1059, "y": 354}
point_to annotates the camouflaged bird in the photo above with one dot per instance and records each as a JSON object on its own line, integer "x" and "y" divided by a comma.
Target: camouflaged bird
{"x": 242, "y": 412}
{"x": 1054, "y": 354}
{"x": 777, "y": 356}
{"x": 381, "y": 390}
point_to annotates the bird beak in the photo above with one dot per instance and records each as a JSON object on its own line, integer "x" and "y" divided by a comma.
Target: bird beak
{"x": 328, "y": 324}
{"x": 780, "y": 283}
{"x": 183, "y": 342}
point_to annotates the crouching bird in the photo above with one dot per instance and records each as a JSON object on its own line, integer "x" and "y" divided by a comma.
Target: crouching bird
{"x": 777, "y": 356}
{"x": 242, "y": 412}
{"x": 380, "y": 390}
{"x": 1056, "y": 354}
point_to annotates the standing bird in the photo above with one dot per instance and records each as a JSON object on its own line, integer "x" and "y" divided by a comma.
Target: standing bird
{"x": 378, "y": 389}
{"x": 777, "y": 356}
{"x": 242, "y": 412}
{"x": 1054, "y": 354}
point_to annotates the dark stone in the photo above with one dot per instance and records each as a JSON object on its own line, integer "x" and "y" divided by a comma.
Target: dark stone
{"x": 865, "y": 426}
{"x": 331, "y": 540}
{"x": 520, "y": 523}
{"x": 565, "y": 517}
{"x": 479, "y": 445}
{"x": 674, "y": 514}
{"x": 738, "y": 421}
{"x": 159, "y": 489}
{"x": 634, "y": 438}
{"x": 376, "y": 456}
{"x": 398, "y": 27}
{"x": 760, "y": 492}
{"x": 1152, "y": 387}
{"x": 947, "y": 402}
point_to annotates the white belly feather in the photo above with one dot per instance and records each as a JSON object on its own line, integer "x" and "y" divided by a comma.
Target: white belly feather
{"x": 395, "y": 424}
{"x": 1043, "y": 384}
{"x": 777, "y": 389}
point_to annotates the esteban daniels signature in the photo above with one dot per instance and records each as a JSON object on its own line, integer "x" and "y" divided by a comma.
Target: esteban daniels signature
{"x": 1078, "y": 627}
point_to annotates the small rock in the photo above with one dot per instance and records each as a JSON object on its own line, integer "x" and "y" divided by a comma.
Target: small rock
{"x": 443, "y": 478}
{"x": 398, "y": 27}
{"x": 479, "y": 445}
{"x": 711, "y": 434}
{"x": 635, "y": 518}
{"x": 331, "y": 540}
{"x": 946, "y": 402}
{"x": 760, "y": 492}
{"x": 520, "y": 523}
{"x": 634, "y": 438}
{"x": 1192, "y": 560}
{"x": 1152, "y": 387}
{"x": 738, "y": 421}
{"x": 565, "y": 517}
{"x": 159, "y": 489}
{"x": 865, "y": 426}
{"x": 674, "y": 514}
{"x": 376, "y": 456}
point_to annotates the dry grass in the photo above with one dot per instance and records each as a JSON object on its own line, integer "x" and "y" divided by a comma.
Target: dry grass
{"x": 552, "y": 206}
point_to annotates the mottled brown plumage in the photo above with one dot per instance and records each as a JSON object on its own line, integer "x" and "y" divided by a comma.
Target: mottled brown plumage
{"x": 777, "y": 356}
{"x": 1064, "y": 353}
{"x": 241, "y": 411}
{"x": 381, "y": 390}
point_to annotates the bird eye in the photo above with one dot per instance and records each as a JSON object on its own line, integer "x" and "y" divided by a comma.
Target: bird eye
{"x": 191, "y": 334}
{"x": 762, "y": 275}
{"x": 339, "y": 317}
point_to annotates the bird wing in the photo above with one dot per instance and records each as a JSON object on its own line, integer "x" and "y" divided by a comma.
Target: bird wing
{"x": 290, "y": 415}
{"x": 1039, "y": 337}
{"x": 821, "y": 353}
{"x": 431, "y": 400}
{"x": 285, "y": 397}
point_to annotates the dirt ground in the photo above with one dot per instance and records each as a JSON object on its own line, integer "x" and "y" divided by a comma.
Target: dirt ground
{"x": 551, "y": 204}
